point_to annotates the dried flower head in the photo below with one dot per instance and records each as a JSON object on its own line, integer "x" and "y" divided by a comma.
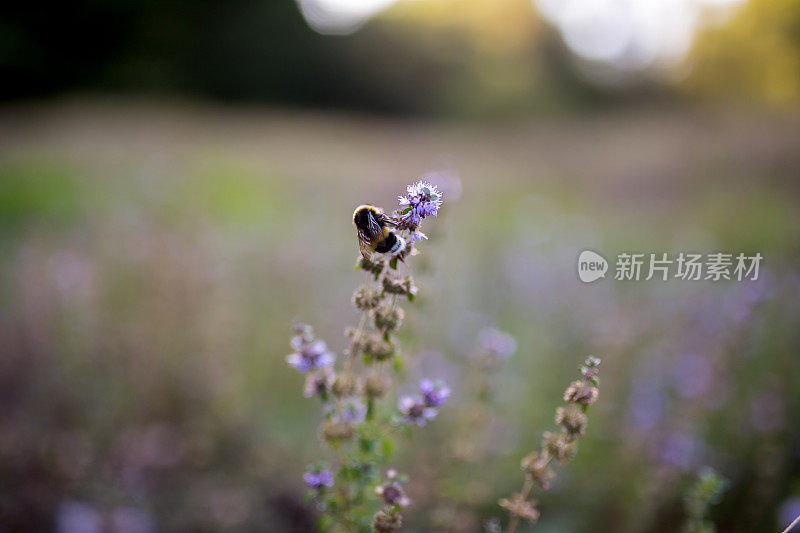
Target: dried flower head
{"x": 318, "y": 383}
{"x": 373, "y": 267}
{"x": 537, "y": 467}
{"x": 334, "y": 430}
{"x": 559, "y": 446}
{"x": 386, "y": 521}
{"x": 375, "y": 385}
{"x": 344, "y": 386}
{"x": 581, "y": 392}
{"x": 572, "y": 419}
{"x": 364, "y": 298}
{"x": 375, "y": 348}
{"x": 518, "y": 506}
{"x": 388, "y": 319}
{"x": 401, "y": 286}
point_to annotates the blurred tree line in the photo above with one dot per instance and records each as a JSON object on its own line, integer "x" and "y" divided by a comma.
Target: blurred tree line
{"x": 451, "y": 57}
{"x": 754, "y": 56}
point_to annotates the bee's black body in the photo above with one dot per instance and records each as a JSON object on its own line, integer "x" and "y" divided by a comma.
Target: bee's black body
{"x": 375, "y": 231}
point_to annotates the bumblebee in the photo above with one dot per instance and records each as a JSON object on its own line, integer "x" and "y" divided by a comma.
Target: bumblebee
{"x": 375, "y": 232}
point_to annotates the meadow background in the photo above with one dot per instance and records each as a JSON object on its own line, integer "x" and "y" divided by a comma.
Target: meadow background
{"x": 176, "y": 186}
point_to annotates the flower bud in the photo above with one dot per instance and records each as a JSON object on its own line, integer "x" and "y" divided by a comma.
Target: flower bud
{"x": 334, "y": 431}
{"x": 519, "y": 506}
{"x": 364, "y": 298}
{"x": 376, "y": 386}
{"x": 386, "y": 521}
{"x": 388, "y": 320}
{"x": 344, "y": 386}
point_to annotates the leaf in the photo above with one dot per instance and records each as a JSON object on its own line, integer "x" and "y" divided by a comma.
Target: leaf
{"x": 411, "y": 296}
{"x": 406, "y": 210}
{"x": 393, "y": 263}
{"x": 387, "y": 447}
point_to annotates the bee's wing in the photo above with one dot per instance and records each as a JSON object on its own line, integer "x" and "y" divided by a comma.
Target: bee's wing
{"x": 364, "y": 244}
{"x": 368, "y": 237}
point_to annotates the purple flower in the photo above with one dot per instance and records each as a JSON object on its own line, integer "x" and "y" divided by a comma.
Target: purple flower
{"x": 349, "y": 411}
{"x": 589, "y": 369}
{"x": 421, "y": 200}
{"x": 391, "y": 492}
{"x": 309, "y": 355}
{"x": 415, "y": 410}
{"x": 318, "y": 479}
{"x": 433, "y": 393}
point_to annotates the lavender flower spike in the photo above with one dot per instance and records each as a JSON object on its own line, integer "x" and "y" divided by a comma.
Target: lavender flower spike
{"x": 318, "y": 479}
{"x": 434, "y": 393}
{"x": 415, "y": 410}
{"x": 421, "y": 200}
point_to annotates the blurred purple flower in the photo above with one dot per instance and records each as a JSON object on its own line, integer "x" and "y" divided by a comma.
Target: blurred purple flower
{"x": 318, "y": 479}
{"x": 131, "y": 520}
{"x": 309, "y": 355}
{"x": 496, "y": 345}
{"x": 350, "y": 411}
{"x": 78, "y": 517}
{"x": 646, "y": 404}
{"x": 788, "y": 512}
{"x": 415, "y": 411}
{"x": 434, "y": 393}
{"x": 679, "y": 450}
{"x": 692, "y": 376}
{"x": 766, "y": 412}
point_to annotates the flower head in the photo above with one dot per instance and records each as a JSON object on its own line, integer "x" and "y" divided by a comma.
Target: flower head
{"x": 309, "y": 355}
{"x": 415, "y": 410}
{"x": 517, "y": 505}
{"x": 349, "y": 411}
{"x": 434, "y": 393}
{"x": 318, "y": 383}
{"x": 391, "y": 492}
{"x": 590, "y": 369}
{"x": 421, "y": 200}
{"x": 581, "y": 392}
{"x": 318, "y": 478}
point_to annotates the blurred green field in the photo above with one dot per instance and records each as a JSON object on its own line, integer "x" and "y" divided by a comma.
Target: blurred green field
{"x": 154, "y": 256}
